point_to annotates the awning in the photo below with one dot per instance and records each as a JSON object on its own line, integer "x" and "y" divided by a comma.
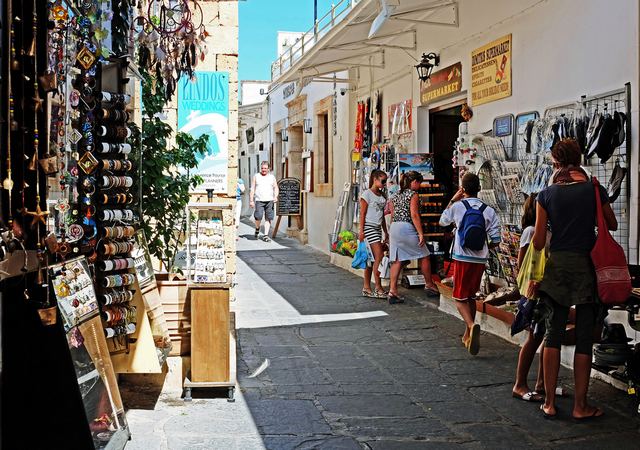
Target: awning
{"x": 341, "y": 41}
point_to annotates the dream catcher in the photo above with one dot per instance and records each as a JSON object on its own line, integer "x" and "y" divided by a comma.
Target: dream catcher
{"x": 170, "y": 37}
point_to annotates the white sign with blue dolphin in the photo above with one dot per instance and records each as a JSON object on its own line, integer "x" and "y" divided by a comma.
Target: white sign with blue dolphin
{"x": 203, "y": 108}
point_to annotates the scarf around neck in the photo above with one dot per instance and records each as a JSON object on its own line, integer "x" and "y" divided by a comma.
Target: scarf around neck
{"x": 568, "y": 175}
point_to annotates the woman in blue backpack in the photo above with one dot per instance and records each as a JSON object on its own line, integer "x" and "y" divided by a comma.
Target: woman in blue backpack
{"x": 406, "y": 235}
{"x": 476, "y": 224}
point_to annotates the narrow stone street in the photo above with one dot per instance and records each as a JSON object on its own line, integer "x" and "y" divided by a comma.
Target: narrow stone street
{"x": 397, "y": 380}
{"x": 319, "y": 366}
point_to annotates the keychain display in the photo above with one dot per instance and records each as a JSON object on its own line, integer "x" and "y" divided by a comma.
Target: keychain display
{"x": 210, "y": 264}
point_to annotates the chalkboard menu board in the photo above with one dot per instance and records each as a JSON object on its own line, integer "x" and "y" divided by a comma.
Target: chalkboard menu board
{"x": 289, "y": 197}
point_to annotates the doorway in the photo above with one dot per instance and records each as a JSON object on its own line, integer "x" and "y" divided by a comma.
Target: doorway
{"x": 443, "y": 133}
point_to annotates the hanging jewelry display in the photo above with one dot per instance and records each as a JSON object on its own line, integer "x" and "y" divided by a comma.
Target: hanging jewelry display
{"x": 99, "y": 173}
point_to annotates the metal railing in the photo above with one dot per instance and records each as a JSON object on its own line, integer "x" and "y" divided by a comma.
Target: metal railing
{"x": 322, "y": 26}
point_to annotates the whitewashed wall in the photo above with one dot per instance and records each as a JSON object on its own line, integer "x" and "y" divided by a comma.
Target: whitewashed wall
{"x": 320, "y": 210}
{"x": 562, "y": 49}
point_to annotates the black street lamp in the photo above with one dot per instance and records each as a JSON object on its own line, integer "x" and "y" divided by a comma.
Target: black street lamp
{"x": 425, "y": 67}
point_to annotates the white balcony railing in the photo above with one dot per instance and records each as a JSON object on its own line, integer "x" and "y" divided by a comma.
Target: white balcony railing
{"x": 322, "y": 26}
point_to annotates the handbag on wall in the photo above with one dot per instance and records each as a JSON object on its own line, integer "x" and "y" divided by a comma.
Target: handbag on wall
{"x": 612, "y": 273}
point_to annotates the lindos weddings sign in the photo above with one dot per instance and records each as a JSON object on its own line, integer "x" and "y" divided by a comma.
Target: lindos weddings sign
{"x": 441, "y": 84}
{"x": 203, "y": 108}
{"x": 491, "y": 71}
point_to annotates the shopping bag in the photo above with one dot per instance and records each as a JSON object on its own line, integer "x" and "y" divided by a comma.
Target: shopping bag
{"x": 384, "y": 269}
{"x": 531, "y": 272}
{"x": 612, "y": 273}
{"x": 361, "y": 256}
{"x": 370, "y": 257}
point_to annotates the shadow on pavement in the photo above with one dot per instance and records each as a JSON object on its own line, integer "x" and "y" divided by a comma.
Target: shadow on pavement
{"x": 399, "y": 381}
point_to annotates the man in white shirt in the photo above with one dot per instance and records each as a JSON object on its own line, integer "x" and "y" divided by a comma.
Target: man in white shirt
{"x": 263, "y": 195}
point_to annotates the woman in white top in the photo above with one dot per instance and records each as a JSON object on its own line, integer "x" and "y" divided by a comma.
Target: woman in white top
{"x": 372, "y": 224}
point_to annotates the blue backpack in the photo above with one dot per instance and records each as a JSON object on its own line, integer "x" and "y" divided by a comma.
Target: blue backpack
{"x": 472, "y": 231}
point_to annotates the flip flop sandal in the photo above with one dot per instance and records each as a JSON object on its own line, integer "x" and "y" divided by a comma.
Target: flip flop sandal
{"x": 548, "y": 416}
{"x": 367, "y": 294}
{"x": 431, "y": 292}
{"x": 380, "y": 294}
{"x": 266, "y": 239}
{"x": 531, "y": 396}
{"x": 559, "y": 392}
{"x": 474, "y": 340}
{"x": 592, "y": 416}
{"x": 393, "y": 299}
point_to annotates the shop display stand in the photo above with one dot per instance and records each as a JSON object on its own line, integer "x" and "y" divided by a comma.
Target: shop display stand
{"x": 213, "y": 349}
{"x": 431, "y": 196}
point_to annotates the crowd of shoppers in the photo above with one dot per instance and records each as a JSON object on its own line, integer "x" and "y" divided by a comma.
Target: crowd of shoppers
{"x": 567, "y": 292}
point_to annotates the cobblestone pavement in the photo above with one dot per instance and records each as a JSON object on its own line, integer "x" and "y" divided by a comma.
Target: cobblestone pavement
{"x": 398, "y": 381}
{"x": 319, "y": 366}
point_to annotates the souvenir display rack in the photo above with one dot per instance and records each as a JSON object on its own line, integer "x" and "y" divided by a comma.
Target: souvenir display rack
{"x": 432, "y": 198}
{"x": 205, "y": 239}
{"x": 507, "y": 252}
{"x": 618, "y": 100}
{"x": 212, "y": 342}
{"x": 103, "y": 208}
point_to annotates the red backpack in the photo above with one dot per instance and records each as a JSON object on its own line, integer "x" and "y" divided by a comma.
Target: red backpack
{"x": 609, "y": 260}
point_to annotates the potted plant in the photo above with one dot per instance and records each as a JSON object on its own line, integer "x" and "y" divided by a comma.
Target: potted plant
{"x": 165, "y": 185}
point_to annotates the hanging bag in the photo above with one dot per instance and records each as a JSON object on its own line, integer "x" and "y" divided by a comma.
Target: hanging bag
{"x": 531, "y": 272}
{"x": 361, "y": 257}
{"x": 609, "y": 261}
{"x": 384, "y": 269}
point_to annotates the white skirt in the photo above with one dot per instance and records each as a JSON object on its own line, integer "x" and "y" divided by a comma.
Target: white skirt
{"x": 403, "y": 245}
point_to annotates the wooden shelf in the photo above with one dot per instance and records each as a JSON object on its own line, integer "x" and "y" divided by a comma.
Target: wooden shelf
{"x": 435, "y": 194}
{"x": 430, "y": 215}
{"x": 434, "y": 234}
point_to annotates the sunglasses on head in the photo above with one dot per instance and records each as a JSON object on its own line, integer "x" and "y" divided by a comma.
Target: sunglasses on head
{"x": 383, "y": 181}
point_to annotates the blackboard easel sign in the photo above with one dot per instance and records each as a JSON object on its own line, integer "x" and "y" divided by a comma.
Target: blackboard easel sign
{"x": 289, "y": 197}
{"x": 289, "y": 201}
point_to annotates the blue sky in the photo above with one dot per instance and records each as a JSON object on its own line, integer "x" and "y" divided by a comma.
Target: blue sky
{"x": 260, "y": 20}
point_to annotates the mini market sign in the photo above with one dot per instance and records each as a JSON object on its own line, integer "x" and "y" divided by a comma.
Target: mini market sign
{"x": 491, "y": 71}
{"x": 441, "y": 84}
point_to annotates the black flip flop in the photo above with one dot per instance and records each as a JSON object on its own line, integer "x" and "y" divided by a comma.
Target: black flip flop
{"x": 393, "y": 299}
{"x": 548, "y": 416}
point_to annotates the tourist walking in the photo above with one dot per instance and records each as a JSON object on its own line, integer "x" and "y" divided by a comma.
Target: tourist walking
{"x": 569, "y": 205}
{"x": 262, "y": 197}
{"x": 475, "y": 223}
{"x": 372, "y": 226}
{"x": 406, "y": 235}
